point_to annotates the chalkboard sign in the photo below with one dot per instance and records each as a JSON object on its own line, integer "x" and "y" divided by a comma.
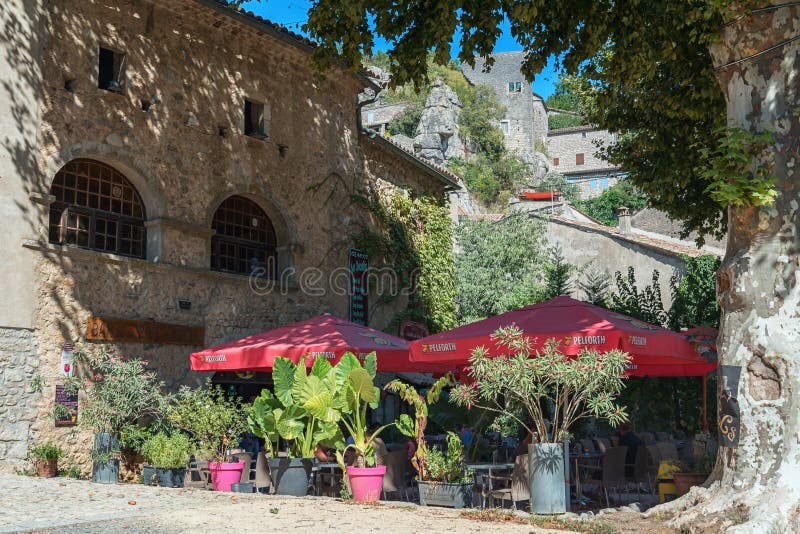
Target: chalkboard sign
{"x": 70, "y": 402}
{"x": 359, "y": 267}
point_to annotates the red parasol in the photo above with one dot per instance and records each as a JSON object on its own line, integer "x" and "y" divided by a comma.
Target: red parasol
{"x": 319, "y": 337}
{"x": 655, "y": 351}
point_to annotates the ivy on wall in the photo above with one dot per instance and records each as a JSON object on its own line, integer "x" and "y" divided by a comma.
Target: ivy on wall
{"x": 416, "y": 241}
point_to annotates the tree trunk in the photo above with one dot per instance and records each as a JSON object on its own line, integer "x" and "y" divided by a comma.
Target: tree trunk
{"x": 759, "y": 482}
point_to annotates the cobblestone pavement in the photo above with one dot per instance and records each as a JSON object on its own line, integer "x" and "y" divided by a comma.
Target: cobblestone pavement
{"x": 30, "y": 504}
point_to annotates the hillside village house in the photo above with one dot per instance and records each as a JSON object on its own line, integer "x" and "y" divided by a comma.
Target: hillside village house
{"x": 153, "y": 154}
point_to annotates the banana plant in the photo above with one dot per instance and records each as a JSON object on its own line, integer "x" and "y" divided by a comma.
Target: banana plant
{"x": 415, "y": 429}
{"x": 302, "y": 411}
{"x": 357, "y": 392}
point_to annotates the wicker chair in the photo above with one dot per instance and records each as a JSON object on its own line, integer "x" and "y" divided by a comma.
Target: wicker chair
{"x": 613, "y": 471}
{"x": 512, "y": 488}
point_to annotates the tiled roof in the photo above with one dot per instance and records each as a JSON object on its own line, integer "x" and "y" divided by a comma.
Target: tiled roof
{"x": 573, "y": 129}
{"x": 450, "y": 178}
{"x": 662, "y": 245}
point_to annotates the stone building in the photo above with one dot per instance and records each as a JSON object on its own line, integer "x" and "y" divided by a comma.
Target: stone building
{"x": 573, "y": 153}
{"x": 172, "y": 174}
{"x": 525, "y": 123}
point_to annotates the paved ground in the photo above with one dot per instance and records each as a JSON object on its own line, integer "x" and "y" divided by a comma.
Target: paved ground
{"x": 66, "y": 505}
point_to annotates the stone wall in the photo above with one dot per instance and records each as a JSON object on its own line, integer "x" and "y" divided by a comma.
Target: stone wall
{"x": 566, "y": 143}
{"x": 18, "y": 400}
{"x": 606, "y": 253}
{"x": 185, "y": 154}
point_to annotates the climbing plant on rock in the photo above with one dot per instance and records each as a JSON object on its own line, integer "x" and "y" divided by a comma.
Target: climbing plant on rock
{"x": 416, "y": 242}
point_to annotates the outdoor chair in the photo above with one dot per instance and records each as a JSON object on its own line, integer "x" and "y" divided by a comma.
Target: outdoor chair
{"x": 647, "y": 438}
{"x": 263, "y": 478}
{"x": 645, "y": 467}
{"x": 603, "y": 444}
{"x": 247, "y": 458}
{"x": 667, "y": 450}
{"x": 512, "y": 488}
{"x": 197, "y": 476}
{"x": 587, "y": 445}
{"x": 395, "y": 480}
{"x": 612, "y": 471}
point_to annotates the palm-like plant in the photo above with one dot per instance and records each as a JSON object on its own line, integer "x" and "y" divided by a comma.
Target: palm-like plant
{"x": 415, "y": 429}
{"x": 574, "y": 387}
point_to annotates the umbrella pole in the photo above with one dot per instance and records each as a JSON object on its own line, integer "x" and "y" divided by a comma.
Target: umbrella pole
{"x": 705, "y": 403}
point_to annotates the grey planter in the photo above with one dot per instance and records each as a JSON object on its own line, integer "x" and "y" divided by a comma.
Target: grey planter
{"x": 106, "y": 472}
{"x": 546, "y": 470}
{"x": 291, "y": 475}
{"x": 171, "y": 477}
{"x": 447, "y": 494}
{"x": 149, "y": 476}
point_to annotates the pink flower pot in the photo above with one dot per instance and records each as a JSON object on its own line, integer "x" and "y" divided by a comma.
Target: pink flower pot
{"x": 225, "y": 474}
{"x": 366, "y": 483}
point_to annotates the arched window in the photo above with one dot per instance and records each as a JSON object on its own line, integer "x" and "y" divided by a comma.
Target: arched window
{"x": 244, "y": 240}
{"x": 97, "y": 208}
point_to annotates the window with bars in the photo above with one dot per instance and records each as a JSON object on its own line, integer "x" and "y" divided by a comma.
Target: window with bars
{"x": 244, "y": 241}
{"x": 96, "y": 208}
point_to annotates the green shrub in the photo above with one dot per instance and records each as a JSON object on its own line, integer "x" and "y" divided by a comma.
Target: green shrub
{"x": 168, "y": 451}
{"x": 46, "y": 451}
{"x": 449, "y": 466}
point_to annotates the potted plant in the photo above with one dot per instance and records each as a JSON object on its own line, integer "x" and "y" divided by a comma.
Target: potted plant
{"x": 693, "y": 475}
{"x": 45, "y": 458}
{"x": 415, "y": 429}
{"x": 356, "y": 393}
{"x": 302, "y": 411}
{"x": 168, "y": 455}
{"x": 553, "y": 391}
{"x": 448, "y": 482}
{"x": 215, "y": 424}
{"x": 120, "y": 392}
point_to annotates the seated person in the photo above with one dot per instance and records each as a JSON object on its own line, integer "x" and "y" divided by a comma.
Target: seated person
{"x": 628, "y": 439}
{"x": 324, "y": 454}
{"x": 378, "y": 446}
{"x": 466, "y": 436}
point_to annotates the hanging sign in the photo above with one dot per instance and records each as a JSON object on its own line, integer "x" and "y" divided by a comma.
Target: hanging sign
{"x": 67, "y": 360}
{"x": 359, "y": 294}
{"x": 102, "y": 329}
{"x": 728, "y": 419}
{"x": 69, "y": 401}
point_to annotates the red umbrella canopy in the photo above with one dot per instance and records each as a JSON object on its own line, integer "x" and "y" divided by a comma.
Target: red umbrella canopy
{"x": 576, "y": 325}
{"x": 325, "y": 336}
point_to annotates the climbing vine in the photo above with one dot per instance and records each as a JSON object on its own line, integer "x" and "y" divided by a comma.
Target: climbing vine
{"x": 416, "y": 240}
{"x": 734, "y": 172}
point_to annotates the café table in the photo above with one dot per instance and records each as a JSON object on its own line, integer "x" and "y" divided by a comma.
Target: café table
{"x": 490, "y": 468}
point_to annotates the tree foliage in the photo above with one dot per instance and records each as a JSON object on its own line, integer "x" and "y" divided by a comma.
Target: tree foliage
{"x": 406, "y": 122}
{"x": 557, "y": 274}
{"x": 492, "y": 181}
{"x": 564, "y": 98}
{"x": 604, "y": 207}
{"x": 497, "y": 266}
{"x": 554, "y": 181}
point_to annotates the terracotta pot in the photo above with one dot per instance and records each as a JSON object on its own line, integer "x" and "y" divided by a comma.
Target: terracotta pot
{"x": 46, "y": 468}
{"x": 684, "y": 481}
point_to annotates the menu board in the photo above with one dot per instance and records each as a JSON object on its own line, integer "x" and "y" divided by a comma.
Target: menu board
{"x": 359, "y": 267}
{"x": 70, "y": 402}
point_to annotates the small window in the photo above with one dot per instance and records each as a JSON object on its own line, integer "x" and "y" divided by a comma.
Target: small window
{"x": 111, "y": 69}
{"x": 583, "y": 134}
{"x": 504, "y": 127}
{"x": 578, "y": 159}
{"x": 254, "y": 120}
{"x": 371, "y": 117}
{"x": 514, "y": 87}
{"x": 555, "y": 162}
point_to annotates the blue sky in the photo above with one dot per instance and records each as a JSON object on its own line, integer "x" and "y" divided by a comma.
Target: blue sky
{"x": 293, "y": 14}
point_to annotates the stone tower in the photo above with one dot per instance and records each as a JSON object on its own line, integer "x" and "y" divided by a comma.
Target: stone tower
{"x": 526, "y": 116}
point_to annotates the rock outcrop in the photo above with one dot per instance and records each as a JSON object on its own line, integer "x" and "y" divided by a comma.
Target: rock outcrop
{"x": 437, "y": 137}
